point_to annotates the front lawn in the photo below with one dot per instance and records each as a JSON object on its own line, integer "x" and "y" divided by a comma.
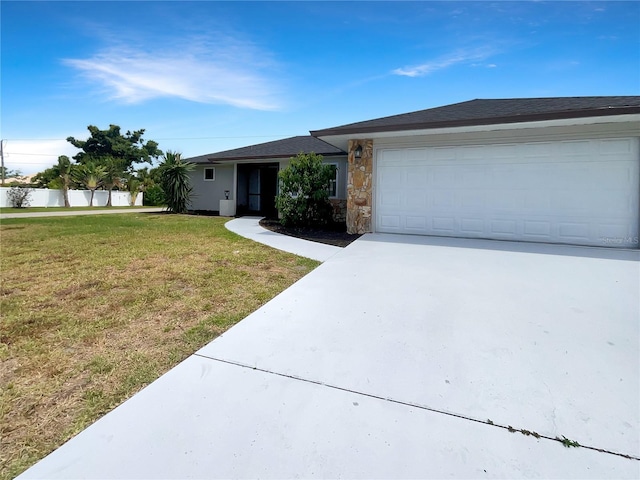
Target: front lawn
{"x": 96, "y": 307}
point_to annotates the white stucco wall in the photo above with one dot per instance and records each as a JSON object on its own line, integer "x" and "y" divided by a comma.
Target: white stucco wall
{"x": 44, "y": 197}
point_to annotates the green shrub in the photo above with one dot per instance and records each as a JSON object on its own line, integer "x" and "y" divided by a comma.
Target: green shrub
{"x": 154, "y": 196}
{"x": 304, "y": 197}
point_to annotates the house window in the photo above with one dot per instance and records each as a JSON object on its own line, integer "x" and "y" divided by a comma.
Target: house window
{"x": 209, "y": 174}
{"x": 333, "y": 183}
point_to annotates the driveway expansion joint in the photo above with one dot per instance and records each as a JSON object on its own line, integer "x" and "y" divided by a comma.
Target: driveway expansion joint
{"x": 564, "y": 440}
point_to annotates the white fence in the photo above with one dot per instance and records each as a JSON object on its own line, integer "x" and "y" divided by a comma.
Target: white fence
{"x": 43, "y": 197}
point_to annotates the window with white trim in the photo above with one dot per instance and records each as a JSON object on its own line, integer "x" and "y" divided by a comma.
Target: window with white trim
{"x": 209, "y": 174}
{"x": 333, "y": 183}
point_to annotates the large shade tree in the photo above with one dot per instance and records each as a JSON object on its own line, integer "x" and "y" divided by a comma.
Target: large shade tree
{"x": 115, "y": 153}
{"x": 105, "y": 145}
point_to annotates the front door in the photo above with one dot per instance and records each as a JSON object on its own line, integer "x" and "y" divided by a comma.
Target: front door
{"x": 268, "y": 192}
{"x": 257, "y": 188}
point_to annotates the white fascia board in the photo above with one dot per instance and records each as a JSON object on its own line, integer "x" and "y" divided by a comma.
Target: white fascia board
{"x": 342, "y": 141}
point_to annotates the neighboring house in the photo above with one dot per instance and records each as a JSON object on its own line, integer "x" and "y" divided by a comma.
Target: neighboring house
{"x": 556, "y": 170}
{"x": 248, "y": 176}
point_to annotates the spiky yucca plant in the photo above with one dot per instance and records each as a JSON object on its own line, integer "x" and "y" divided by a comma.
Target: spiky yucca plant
{"x": 174, "y": 176}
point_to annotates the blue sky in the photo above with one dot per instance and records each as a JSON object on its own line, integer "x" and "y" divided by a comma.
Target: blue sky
{"x": 202, "y": 77}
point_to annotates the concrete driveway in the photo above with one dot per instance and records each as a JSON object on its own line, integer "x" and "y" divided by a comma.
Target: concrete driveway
{"x": 401, "y": 357}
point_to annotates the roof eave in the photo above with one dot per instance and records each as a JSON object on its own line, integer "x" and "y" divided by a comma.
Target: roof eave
{"x": 597, "y": 112}
{"x": 264, "y": 157}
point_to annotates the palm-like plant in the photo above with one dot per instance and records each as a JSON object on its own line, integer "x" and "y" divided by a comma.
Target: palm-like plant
{"x": 174, "y": 176}
{"x": 134, "y": 186}
{"x": 64, "y": 169}
{"x": 91, "y": 176}
{"x": 113, "y": 171}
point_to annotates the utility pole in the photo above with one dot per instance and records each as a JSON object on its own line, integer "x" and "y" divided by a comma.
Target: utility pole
{"x": 2, "y": 160}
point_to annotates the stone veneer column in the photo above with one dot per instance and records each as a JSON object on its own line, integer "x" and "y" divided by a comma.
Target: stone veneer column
{"x": 359, "y": 187}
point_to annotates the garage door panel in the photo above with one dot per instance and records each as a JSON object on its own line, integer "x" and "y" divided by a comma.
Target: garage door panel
{"x": 416, "y": 223}
{"x": 472, "y": 226}
{"x": 503, "y": 227}
{"x": 390, "y": 222}
{"x": 539, "y": 150}
{"x": 444, "y": 224}
{"x": 391, "y": 199}
{"x": 572, "y": 191}
{"x": 540, "y": 229}
{"x": 618, "y": 146}
{"x": 391, "y": 177}
{"x": 580, "y": 148}
{"x": 416, "y": 176}
{"x": 416, "y": 200}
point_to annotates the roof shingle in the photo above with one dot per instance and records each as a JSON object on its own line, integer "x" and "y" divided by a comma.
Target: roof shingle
{"x": 288, "y": 147}
{"x": 493, "y": 111}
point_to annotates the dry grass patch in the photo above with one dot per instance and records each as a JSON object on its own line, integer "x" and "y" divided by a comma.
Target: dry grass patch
{"x": 94, "y": 308}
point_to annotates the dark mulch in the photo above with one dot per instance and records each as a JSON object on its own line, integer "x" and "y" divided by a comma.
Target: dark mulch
{"x": 335, "y": 234}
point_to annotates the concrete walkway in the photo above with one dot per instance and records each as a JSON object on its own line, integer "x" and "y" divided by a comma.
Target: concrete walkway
{"x": 70, "y": 213}
{"x": 249, "y": 227}
{"x": 400, "y": 357}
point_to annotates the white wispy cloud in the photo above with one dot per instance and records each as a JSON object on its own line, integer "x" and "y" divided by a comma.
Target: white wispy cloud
{"x": 455, "y": 58}
{"x": 219, "y": 72}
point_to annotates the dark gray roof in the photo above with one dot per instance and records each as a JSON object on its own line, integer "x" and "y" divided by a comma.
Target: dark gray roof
{"x": 288, "y": 147}
{"x": 489, "y": 112}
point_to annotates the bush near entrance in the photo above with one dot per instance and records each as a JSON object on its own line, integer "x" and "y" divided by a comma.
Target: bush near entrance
{"x": 303, "y": 200}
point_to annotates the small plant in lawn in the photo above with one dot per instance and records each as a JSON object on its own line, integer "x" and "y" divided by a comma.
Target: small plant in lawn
{"x": 19, "y": 197}
{"x": 303, "y": 200}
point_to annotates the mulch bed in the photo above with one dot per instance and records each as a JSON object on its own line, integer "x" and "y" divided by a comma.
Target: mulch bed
{"x": 335, "y": 234}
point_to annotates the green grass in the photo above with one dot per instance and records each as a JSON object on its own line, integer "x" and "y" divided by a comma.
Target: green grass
{"x": 62, "y": 209}
{"x": 96, "y": 307}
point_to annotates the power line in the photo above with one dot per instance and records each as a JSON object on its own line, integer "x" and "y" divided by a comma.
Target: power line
{"x": 34, "y": 154}
{"x": 161, "y": 138}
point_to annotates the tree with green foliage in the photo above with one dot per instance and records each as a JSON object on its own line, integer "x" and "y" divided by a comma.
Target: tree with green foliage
{"x": 154, "y": 196}
{"x": 116, "y": 152}
{"x": 64, "y": 170}
{"x": 60, "y": 177}
{"x": 175, "y": 181}
{"x": 128, "y": 148}
{"x": 303, "y": 199}
{"x": 113, "y": 175}
{"x": 48, "y": 178}
{"x": 133, "y": 187}
{"x": 150, "y": 186}
{"x": 90, "y": 176}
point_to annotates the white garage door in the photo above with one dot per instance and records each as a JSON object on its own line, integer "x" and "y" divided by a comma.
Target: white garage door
{"x": 583, "y": 192}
